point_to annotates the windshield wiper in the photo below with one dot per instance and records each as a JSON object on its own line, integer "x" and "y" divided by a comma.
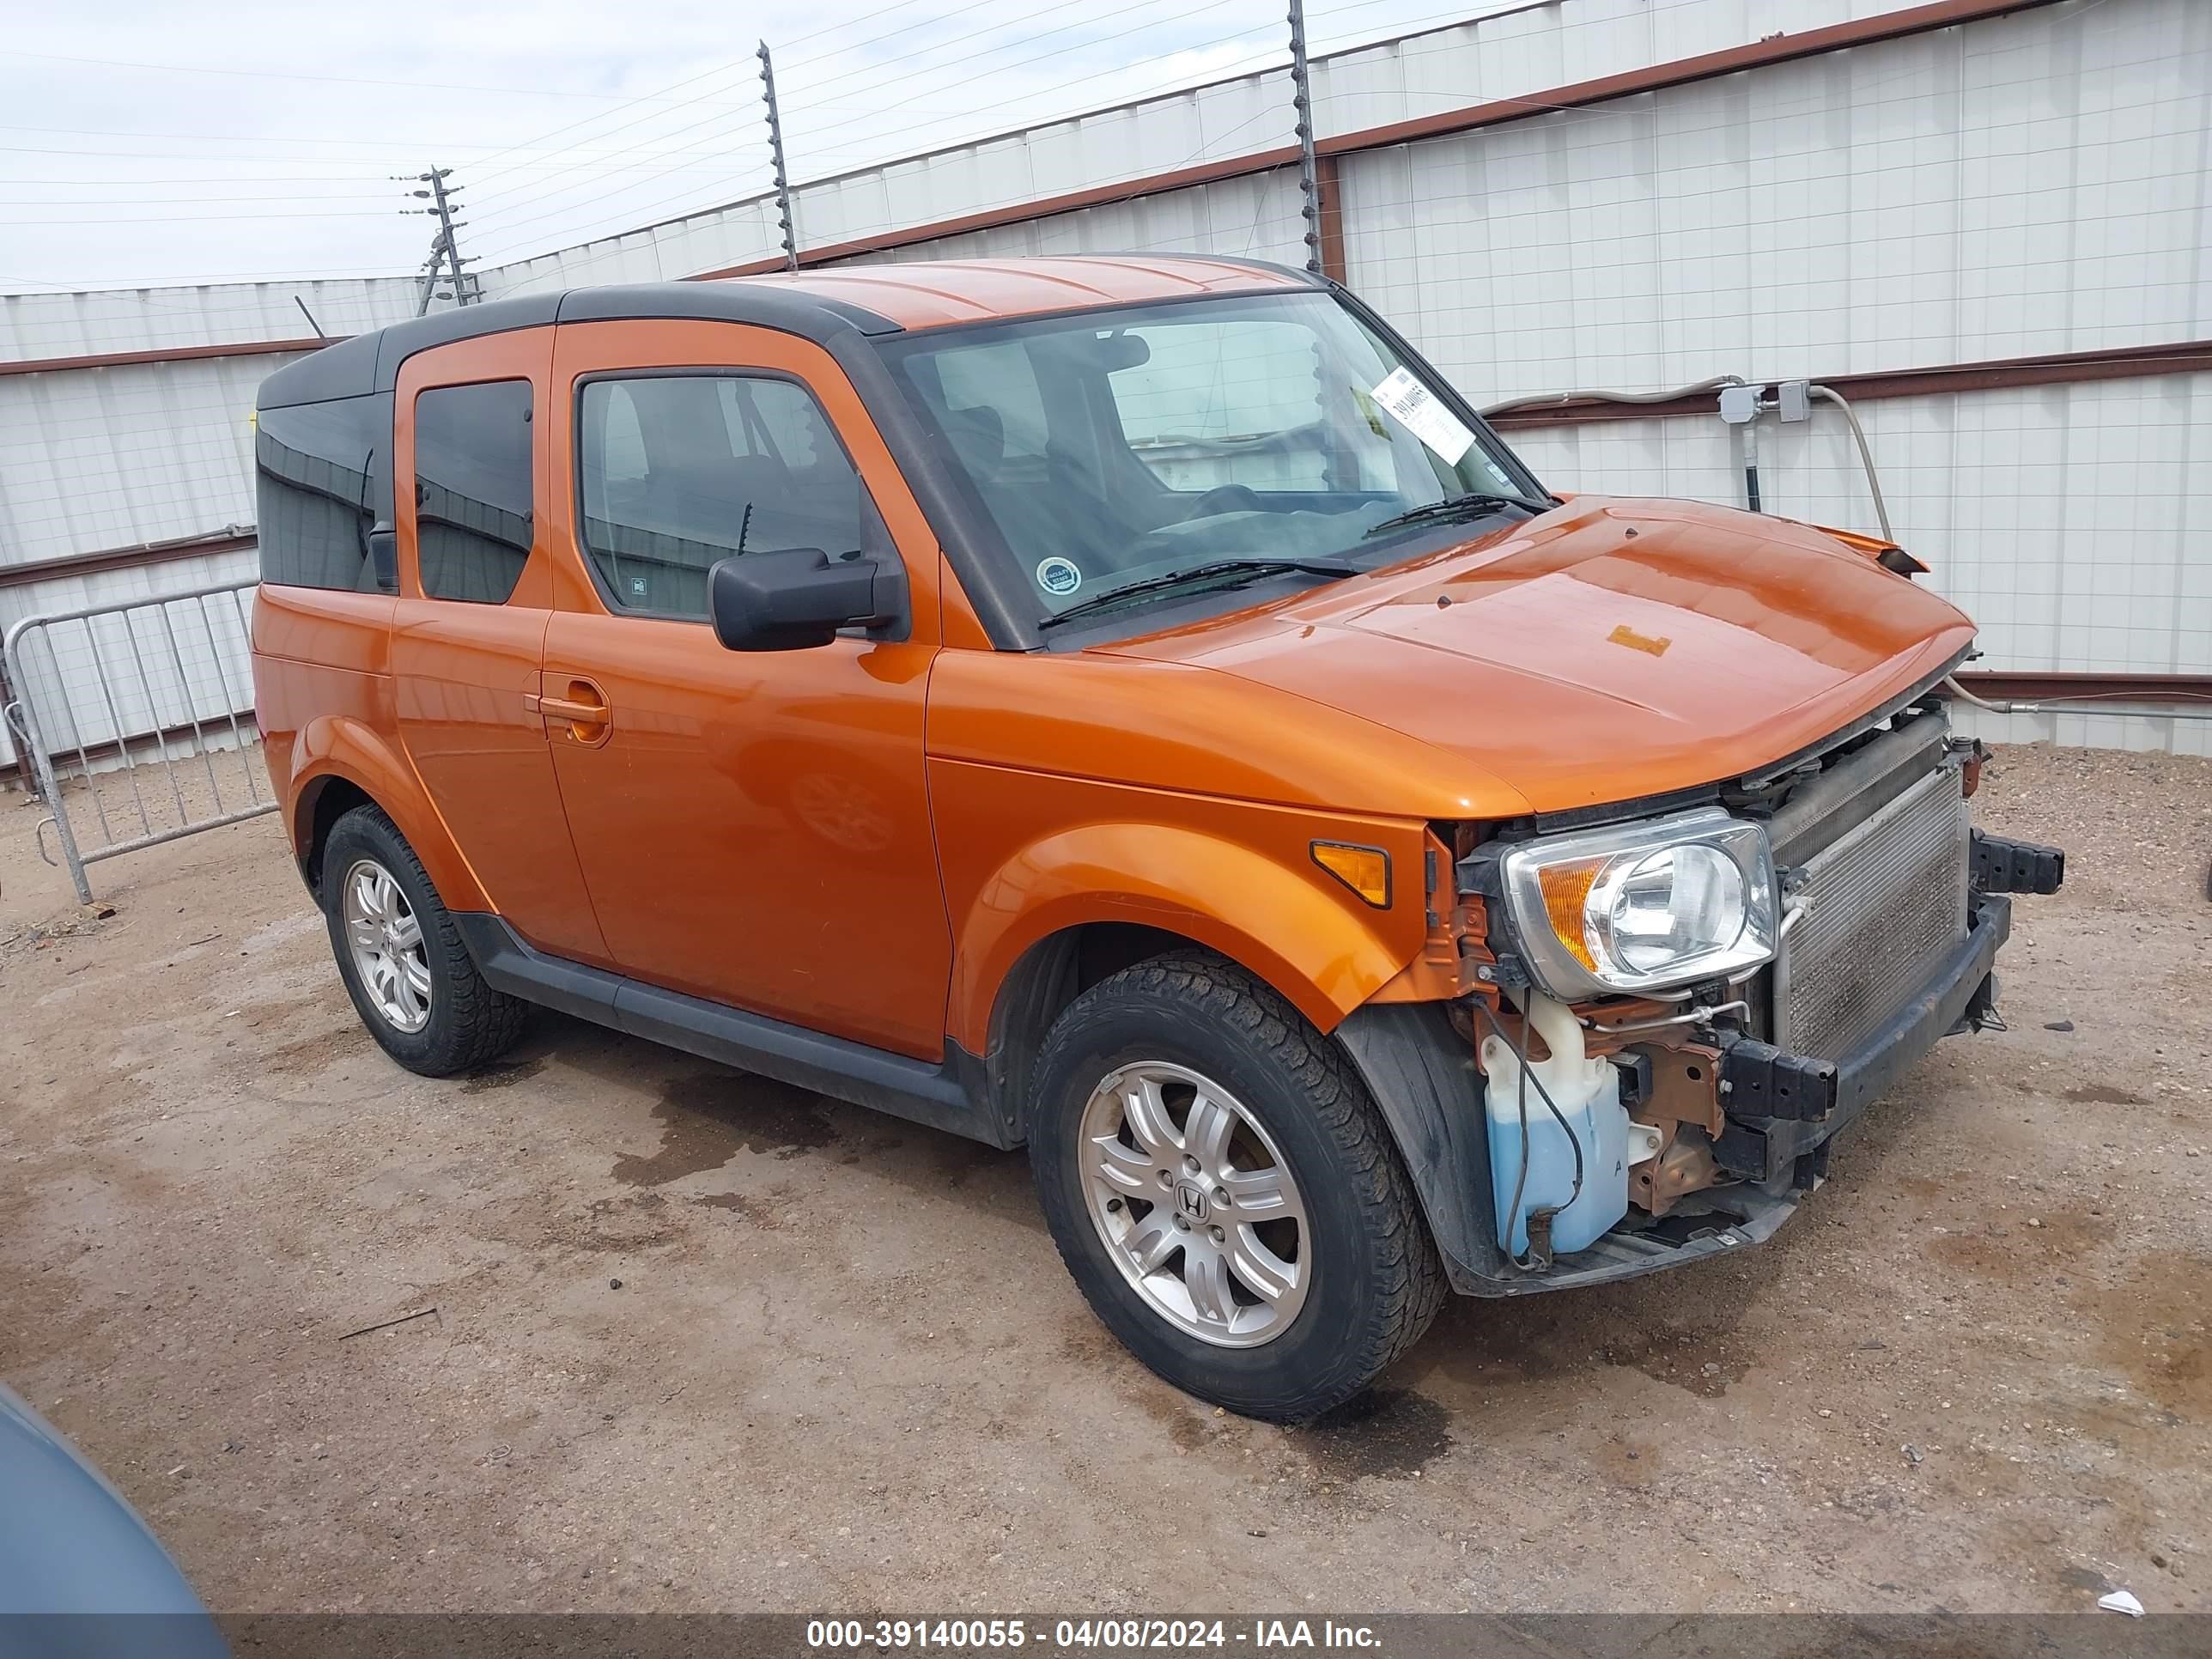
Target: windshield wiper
{"x": 1212, "y": 570}
{"x": 1470, "y": 505}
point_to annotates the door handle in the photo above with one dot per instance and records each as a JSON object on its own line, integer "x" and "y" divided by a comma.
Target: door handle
{"x": 578, "y": 714}
{"x": 584, "y": 711}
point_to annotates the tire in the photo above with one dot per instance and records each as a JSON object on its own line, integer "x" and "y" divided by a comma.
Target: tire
{"x": 1196, "y": 1038}
{"x": 466, "y": 1024}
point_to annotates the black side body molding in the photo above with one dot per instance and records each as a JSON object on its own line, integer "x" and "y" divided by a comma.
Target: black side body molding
{"x": 950, "y": 1096}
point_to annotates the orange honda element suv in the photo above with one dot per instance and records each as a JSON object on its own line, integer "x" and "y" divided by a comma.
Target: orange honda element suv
{"x": 1135, "y": 708}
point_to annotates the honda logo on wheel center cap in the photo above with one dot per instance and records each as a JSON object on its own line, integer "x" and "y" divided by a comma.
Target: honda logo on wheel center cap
{"x": 1191, "y": 1200}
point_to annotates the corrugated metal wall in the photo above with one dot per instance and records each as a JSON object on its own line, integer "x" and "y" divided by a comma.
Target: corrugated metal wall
{"x": 2035, "y": 184}
{"x": 2031, "y": 183}
{"x": 124, "y": 456}
{"x": 1254, "y": 218}
{"x": 129, "y": 455}
{"x": 2074, "y": 523}
{"x": 34, "y": 325}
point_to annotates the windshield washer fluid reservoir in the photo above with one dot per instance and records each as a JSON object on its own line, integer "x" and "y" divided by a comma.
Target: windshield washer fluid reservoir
{"x": 1587, "y": 1092}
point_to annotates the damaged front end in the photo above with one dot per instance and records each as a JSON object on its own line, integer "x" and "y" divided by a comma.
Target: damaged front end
{"x": 1674, "y": 1007}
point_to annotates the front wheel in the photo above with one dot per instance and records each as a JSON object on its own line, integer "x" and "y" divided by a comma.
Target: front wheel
{"x": 1224, "y": 1193}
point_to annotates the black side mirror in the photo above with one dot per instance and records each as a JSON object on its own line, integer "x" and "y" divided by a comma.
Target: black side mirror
{"x": 799, "y": 597}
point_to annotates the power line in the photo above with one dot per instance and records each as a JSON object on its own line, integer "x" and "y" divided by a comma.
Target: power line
{"x": 296, "y": 74}
{"x": 1008, "y": 45}
{"x": 1260, "y": 62}
{"x": 198, "y": 218}
{"x": 483, "y": 164}
{"x": 220, "y": 174}
{"x": 1136, "y": 187}
{"x": 692, "y": 148}
{"x": 1059, "y": 52}
{"x": 874, "y": 138}
{"x": 877, "y": 136}
{"x": 722, "y": 129}
{"x": 689, "y": 81}
{"x": 995, "y": 27}
{"x": 869, "y": 17}
{"x": 285, "y": 139}
{"x": 241, "y": 278}
{"x": 169, "y": 201}
{"x": 133, "y": 180}
{"x": 1573, "y": 113}
{"x": 1251, "y": 63}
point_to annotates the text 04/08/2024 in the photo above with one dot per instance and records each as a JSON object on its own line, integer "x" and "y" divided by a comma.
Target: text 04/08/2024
{"x": 1257, "y": 1635}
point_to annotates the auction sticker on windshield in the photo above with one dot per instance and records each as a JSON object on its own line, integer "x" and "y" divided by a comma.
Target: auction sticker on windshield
{"x": 1415, "y": 408}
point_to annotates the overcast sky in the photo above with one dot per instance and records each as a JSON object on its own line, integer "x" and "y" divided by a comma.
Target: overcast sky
{"x": 169, "y": 141}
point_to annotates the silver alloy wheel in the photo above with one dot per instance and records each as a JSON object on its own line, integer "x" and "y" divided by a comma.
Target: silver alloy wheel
{"x": 386, "y": 938}
{"x": 1195, "y": 1203}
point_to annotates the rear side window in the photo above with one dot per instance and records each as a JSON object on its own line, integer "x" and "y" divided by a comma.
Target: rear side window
{"x": 472, "y": 489}
{"x": 316, "y": 468}
{"x": 681, "y": 472}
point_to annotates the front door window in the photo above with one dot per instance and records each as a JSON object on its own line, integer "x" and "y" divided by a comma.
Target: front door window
{"x": 681, "y": 472}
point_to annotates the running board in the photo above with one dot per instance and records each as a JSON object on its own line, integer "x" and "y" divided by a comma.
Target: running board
{"x": 949, "y": 1096}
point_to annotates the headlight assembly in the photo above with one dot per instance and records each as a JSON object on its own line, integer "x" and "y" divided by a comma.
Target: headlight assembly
{"x": 1642, "y": 907}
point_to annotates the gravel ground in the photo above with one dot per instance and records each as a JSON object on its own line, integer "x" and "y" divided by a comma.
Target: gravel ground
{"x": 688, "y": 1339}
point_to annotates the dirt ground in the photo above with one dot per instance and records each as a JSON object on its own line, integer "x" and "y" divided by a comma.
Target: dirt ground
{"x": 693, "y": 1341}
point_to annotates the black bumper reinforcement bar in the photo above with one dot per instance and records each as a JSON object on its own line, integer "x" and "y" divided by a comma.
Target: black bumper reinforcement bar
{"x": 1782, "y": 1107}
{"x": 2016, "y": 866}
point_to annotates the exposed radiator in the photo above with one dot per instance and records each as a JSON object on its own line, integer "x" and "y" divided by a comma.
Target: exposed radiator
{"x": 1880, "y": 909}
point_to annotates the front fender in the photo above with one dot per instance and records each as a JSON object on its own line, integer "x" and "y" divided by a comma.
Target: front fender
{"x": 1270, "y": 909}
{"x": 330, "y": 748}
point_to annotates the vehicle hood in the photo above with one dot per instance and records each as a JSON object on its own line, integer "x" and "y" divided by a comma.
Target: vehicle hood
{"x": 1606, "y": 651}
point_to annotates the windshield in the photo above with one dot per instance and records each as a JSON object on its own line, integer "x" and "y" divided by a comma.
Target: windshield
{"x": 1116, "y": 447}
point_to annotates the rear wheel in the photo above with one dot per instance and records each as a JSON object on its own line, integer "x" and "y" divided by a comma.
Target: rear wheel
{"x": 1224, "y": 1193}
{"x": 413, "y": 982}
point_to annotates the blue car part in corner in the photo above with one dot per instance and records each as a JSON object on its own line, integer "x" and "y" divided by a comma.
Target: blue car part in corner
{"x": 80, "y": 1575}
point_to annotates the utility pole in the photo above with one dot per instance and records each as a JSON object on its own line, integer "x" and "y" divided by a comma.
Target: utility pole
{"x": 776, "y": 152}
{"x": 444, "y": 250}
{"x": 1302, "y": 101}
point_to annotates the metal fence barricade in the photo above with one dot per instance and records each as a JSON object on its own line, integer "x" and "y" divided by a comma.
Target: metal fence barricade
{"x": 148, "y": 707}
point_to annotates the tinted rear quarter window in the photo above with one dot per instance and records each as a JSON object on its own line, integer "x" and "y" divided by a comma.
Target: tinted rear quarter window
{"x": 320, "y": 471}
{"x": 472, "y": 489}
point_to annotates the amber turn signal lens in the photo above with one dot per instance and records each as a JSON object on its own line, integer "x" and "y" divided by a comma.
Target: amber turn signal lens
{"x": 1566, "y": 890}
{"x": 1364, "y": 870}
